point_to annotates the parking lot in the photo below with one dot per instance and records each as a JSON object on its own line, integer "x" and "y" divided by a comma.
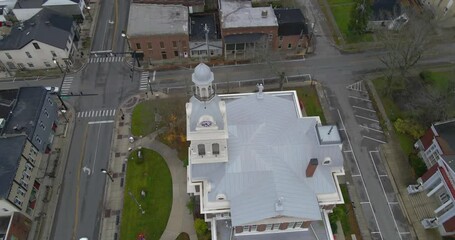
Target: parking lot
{"x": 377, "y": 198}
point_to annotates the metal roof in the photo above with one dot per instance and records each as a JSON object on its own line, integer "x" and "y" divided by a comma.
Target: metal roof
{"x": 152, "y": 19}
{"x": 269, "y": 147}
{"x": 46, "y": 26}
{"x": 11, "y": 149}
{"x": 240, "y": 14}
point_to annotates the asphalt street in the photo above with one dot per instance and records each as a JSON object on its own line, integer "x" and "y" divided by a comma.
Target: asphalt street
{"x": 95, "y": 92}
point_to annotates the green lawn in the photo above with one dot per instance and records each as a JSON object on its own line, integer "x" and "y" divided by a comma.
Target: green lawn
{"x": 153, "y": 176}
{"x": 149, "y": 114}
{"x": 341, "y": 11}
{"x": 309, "y": 97}
{"x": 439, "y": 80}
{"x": 344, "y": 213}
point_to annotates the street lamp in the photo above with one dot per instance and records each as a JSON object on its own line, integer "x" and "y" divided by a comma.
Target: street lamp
{"x": 150, "y": 85}
{"x": 124, "y": 35}
{"x": 107, "y": 173}
{"x": 88, "y": 11}
{"x": 56, "y": 62}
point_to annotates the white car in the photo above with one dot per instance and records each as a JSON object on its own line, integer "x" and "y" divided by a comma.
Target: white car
{"x": 53, "y": 90}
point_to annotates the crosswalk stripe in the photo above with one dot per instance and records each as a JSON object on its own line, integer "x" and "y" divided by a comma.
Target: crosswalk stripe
{"x": 113, "y": 112}
{"x": 78, "y": 114}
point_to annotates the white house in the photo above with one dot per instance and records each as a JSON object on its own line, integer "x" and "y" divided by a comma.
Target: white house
{"x": 37, "y": 42}
{"x": 258, "y": 167}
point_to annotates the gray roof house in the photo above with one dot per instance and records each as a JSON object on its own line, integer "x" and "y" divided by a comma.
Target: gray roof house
{"x": 34, "y": 43}
{"x": 259, "y": 168}
{"x": 35, "y": 115}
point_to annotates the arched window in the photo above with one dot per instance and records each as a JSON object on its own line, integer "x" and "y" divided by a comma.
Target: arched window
{"x": 215, "y": 148}
{"x": 201, "y": 149}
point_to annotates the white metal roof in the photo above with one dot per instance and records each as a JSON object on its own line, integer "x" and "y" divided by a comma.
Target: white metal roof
{"x": 235, "y": 14}
{"x": 269, "y": 148}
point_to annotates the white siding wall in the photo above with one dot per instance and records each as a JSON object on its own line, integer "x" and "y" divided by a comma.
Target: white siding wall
{"x": 7, "y": 208}
{"x": 39, "y": 56}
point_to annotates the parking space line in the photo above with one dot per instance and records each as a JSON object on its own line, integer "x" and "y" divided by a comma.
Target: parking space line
{"x": 365, "y": 109}
{"x": 373, "y": 120}
{"x": 348, "y": 151}
{"x": 385, "y": 194}
{"x": 358, "y": 168}
{"x": 364, "y": 202}
{"x": 374, "y": 139}
{"x": 361, "y": 99}
{"x": 393, "y": 203}
{"x": 356, "y": 175}
{"x": 372, "y": 129}
{"x": 383, "y": 175}
{"x": 405, "y": 232}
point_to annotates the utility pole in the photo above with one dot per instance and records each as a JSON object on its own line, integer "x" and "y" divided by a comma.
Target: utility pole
{"x": 206, "y": 30}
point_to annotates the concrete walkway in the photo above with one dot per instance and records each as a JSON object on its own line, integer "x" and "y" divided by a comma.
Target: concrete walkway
{"x": 180, "y": 219}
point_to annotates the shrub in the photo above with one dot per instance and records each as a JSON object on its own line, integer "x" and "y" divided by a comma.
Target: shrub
{"x": 408, "y": 127}
{"x": 200, "y": 226}
{"x": 417, "y": 164}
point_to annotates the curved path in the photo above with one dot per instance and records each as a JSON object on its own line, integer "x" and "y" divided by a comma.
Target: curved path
{"x": 180, "y": 220}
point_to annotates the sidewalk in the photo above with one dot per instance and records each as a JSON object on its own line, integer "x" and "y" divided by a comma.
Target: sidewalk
{"x": 51, "y": 173}
{"x": 180, "y": 219}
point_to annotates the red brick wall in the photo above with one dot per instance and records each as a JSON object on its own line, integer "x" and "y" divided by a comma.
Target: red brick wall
{"x": 155, "y": 53}
{"x": 20, "y": 227}
{"x": 294, "y": 40}
{"x": 267, "y": 30}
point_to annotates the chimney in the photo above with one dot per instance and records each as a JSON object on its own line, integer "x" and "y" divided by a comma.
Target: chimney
{"x": 311, "y": 168}
{"x": 264, "y": 13}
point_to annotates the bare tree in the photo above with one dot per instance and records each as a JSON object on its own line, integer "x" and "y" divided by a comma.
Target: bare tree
{"x": 266, "y": 54}
{"x": 404, "y": 48}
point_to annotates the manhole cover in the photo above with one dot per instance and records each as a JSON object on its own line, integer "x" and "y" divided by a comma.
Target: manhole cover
{"x": 121, "y": 124}
{"x": 117, "y": 154}
{"x": 119, "y": 136}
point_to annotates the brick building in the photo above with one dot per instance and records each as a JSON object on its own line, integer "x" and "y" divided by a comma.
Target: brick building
{"x": 247, "y": 31}
{"x": 292, "y": 30}
{"x": 159, "y": 31}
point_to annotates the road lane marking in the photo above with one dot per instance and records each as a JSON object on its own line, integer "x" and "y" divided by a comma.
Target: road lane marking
{"x": 78, "y": 178}
{"x": 383, "y": 191}
{"x": 365, "y": 109}
{"x": 374, "y": 139}
{"x": 370, "y": 119}
{"x": 101, "y": 122}
{"x": 96, "y": 147}
{"x": 372, "y": 129}
{"x": 361, "y": 99}
{"x": 358, "y": 168}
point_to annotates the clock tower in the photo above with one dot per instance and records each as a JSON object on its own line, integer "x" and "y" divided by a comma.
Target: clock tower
{"x": 206, "y": 123}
